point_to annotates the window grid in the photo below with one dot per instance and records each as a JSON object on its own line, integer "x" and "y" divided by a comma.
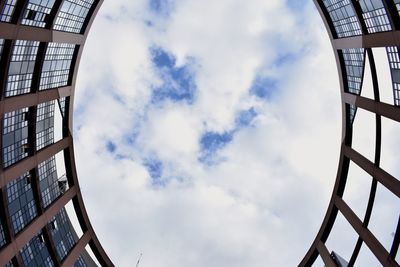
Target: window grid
{"x": 36, "y": 12}
{"x": 2, "y": 236}
{"x": 375, "y": 17}
{"x": 72, "y": 15}
{"x": 51, "y": 186}
{"x": 1, "y": 46}
{"x": 397, "y": 5}
{"x": 63, "y": 234}
{"x": 15, "y": 136}
{"x": 353, "y": 110}
{"x": 56, "y": 65}
{"x": 61, "y": 103}
{"x": 354, "y": 61}
{"x": 8, "y": 10}
{"x": 21, "y": 67}
{"x": 35, "y": 253}
{"x": 80, "y": 262}
{"x": 343, "y": 17}
{"x": 21, "y": 203}
{"x": 394, "y": 63}
{"x": 45, "y": 124}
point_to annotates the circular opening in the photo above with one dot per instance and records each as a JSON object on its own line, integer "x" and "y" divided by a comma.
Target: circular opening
{"x": 214, "y": 130}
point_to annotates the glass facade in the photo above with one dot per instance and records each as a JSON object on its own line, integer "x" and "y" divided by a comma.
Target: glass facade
{"x": 21, "y": 67}
{"x": 8, "y": 10}
{"x": 397, "y": 2}
{"x": 21, "y": 203}
{"x": 15, "y": 136}
{"x": 375, "y": 17}
{"x": 34, "y": 168}
{"x": 1, "y": 46}
{"x": 394, "y": 63}
{"x": 80, "y": 262}
{"x": 51, "y": 186}
{"x": 45, "y": 124}
{"x": 63, "y": 234}
{"x": 2, "y": 236}
{"x": 56, "y": 65}
{"x": 84, "y": 260}
{"x": 343, "y": 17}
{"x": 35, "y": 253}
{"x": 61, "y": 104}
{"x": 72, "y": 15}
{"x": 354, "y": 61}
{"x": 37, "y": 12}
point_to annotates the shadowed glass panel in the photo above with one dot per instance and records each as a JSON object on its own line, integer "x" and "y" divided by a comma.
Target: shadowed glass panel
{"x": 21, "y": 67}
{"x": 15, "y": 136}
{"x": 37, "y": 12}
{"x": 72, "y": 15}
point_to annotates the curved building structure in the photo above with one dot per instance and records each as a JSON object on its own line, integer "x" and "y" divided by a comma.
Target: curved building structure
{"x": 41, "y": 42}
{"x": 358, "y": 29}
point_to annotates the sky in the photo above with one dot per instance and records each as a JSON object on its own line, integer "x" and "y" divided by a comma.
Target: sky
{"x": 207, "y": 133}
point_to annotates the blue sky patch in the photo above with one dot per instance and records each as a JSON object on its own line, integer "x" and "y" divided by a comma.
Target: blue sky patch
{"x": 285, "y": 59}
{"x": 210, "y": 143}
{"x": 264, "y": 87}
{"x": 155, "y": 169}
{"x": 177, "y": 82}
{"x": 111, "y": 147}
{"x": 245, "y": 117}
{"x": 297, "y": 5}
{"x": 162, "y": 59}
{"x": 162, "y": 7}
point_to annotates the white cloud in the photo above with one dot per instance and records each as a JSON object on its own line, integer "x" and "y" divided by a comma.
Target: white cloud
{"x": 262, "y": 205}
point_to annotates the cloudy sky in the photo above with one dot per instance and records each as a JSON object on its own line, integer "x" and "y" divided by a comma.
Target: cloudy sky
{"x": 207, "y": 133}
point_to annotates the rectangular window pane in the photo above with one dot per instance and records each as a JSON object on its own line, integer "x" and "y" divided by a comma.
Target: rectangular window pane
{"x": 36, "y": 12}
{"x": 45, "y": 124}
{"x": 394, "y": 63}
{"x": 8, "y": 10}
{"x": 375, "y": 17}
{"x": 51, "y": 185}
{"x": 343, "y": 17}
{"x": 63, "y": 233}
{"x": 21, "y": 67}
{"x": 15, "y": 136}
{"x": 35, "y": 253}
{"x": 20, "y": 202}
{"x": 72, "y": 15}
{"x": 56, "y": 65}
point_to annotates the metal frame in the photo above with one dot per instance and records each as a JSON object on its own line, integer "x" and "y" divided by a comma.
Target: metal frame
{"x": 348, "y": 154}
{"x": 16, "y": 31}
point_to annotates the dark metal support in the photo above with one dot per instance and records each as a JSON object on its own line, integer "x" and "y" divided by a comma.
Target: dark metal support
{"x": 387, "y": 180}
{"x": 325, "y": 255}
{"x": 35, "y": 226}
{"x": 370, "y": 240}
{"x": 24, "y": 32}
{"x": 77, "y": 250}
{"x": 378, "y": 141}
{"x": 396, "y": 241}
{"x": 382, "y": 109}
{"x": 31, "y": 162}
{"x": 33, "y": 99}
{"x": 379, "y": 39}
